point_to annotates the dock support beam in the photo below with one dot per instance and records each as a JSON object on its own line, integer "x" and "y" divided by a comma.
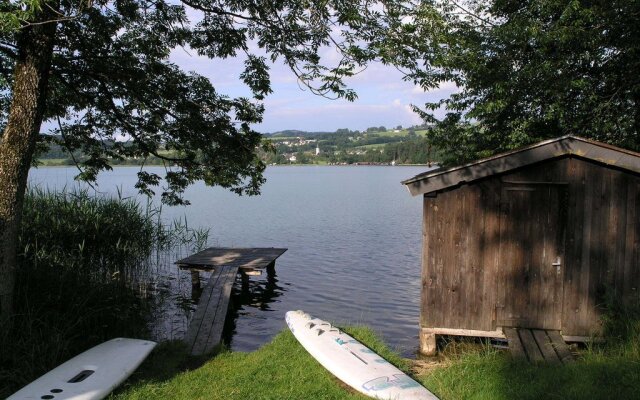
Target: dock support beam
{"x": 196, "y": 288}
{"x": 271, "y": 268}
{"x": 427, "y": 343}
{"x": 245, "y": 281}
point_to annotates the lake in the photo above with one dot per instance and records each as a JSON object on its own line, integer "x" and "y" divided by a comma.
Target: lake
{"x": 354, "y": 240}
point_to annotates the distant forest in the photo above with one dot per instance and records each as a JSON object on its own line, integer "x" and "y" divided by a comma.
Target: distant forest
{"x": 377, "y": 145}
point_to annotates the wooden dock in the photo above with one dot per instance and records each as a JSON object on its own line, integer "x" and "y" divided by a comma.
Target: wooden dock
{"x": 246, "y": 258}
{"x": 538, "y": 345}
{"x": 205, "y": 329}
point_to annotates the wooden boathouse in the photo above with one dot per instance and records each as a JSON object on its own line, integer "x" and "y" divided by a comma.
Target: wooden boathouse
{"x": 533, "y": 238}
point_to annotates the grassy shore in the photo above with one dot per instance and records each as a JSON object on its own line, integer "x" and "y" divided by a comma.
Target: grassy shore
{"x": 282, "y": 369}
{"x": 491, "y": 374}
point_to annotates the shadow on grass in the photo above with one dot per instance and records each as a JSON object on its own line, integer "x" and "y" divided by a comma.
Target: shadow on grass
{"x": 167, "y": 360}
{"x": 278, "y": 370}
{"x": 608, "y": 371}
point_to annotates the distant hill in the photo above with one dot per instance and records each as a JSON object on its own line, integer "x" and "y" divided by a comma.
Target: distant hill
{"x": 376, "y": 145}
{"x": 296, "y": 133}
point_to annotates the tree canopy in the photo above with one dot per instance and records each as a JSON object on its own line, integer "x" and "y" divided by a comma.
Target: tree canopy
{"x": 101, "y": 70}
{"x": 525, "y": 70}
{"x": 112, "y": 80}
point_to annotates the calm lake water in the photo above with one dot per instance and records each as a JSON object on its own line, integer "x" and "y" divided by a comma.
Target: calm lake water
{"x": 353, "y": 234}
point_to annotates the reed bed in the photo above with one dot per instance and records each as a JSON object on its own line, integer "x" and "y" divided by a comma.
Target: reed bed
{"x": 90, "y": 269}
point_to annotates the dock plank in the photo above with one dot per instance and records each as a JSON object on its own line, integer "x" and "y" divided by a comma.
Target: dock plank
{"x": 199, "y": 314}
{"x": 216, "y": 329}
{"x": 546, "y": 348}
{"x": 530, "y": 346}
{"x": 515, "y": 345}
{"x": 560, "y": 346}
{"x": 205, "y": 330}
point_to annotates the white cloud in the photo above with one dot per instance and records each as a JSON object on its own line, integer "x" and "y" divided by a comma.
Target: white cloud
{"x": 383, "y": 97}
{"x": 333, "y": 115}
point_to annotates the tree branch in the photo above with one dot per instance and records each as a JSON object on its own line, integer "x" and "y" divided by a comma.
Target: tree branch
{"x": 467, "y": 12}
{"x": 73, "y": 158}
{"x": 220, "y": 11}
{"x": 132, "y": 131}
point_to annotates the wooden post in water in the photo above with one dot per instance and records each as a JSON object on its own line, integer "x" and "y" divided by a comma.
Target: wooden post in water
{"x": 271, "y": 268}
{"x": 196, "y": 288}
{"x": 245, "y": 280}
{"x": 427, "y": 343}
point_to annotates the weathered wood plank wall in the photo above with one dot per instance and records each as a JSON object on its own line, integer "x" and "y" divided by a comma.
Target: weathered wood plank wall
{"x": 467, "y": 239}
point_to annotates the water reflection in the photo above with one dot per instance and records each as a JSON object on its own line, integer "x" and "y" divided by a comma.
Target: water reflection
{"x": 173, "y": 295}
{"x": 178, "y": 292}
{"x": 248, "y": 295}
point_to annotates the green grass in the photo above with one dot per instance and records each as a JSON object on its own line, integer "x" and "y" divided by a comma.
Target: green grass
{"x": 55, "y": 162}
{"x": 282, "y": 369}
{"x": 376, "y": 146}
{"x": 282, "y": 138}
{"x": 493, "y": 375}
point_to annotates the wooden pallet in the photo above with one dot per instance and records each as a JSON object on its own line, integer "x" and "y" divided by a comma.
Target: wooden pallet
{"x": 538, "y": 345}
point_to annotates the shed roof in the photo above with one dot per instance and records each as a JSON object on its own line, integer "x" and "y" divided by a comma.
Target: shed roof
{"x": 444, "y": 178}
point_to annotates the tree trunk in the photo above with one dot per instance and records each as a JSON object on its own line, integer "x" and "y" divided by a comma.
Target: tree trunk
{"x": 17, "y": 144}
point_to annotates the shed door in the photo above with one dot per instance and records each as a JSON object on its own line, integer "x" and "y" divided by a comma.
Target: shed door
{"x": 531, "y": 255}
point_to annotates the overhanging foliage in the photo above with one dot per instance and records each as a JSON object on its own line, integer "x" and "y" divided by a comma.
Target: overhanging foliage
{"x": 524, "y": 70}
{"x": 112, "y": 81}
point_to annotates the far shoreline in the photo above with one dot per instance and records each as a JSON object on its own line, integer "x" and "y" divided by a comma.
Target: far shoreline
{"x": 270, "y": 165}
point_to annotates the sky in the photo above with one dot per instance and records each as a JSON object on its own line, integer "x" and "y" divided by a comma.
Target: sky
{"x": 384, "y": 99}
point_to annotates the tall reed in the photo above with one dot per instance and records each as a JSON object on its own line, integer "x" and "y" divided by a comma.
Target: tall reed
{"x": 99, "y": 239}
{"x": 86, "y": 267}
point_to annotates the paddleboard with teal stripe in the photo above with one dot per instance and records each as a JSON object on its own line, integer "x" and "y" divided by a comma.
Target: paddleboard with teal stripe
{"x": 352, "y": 362}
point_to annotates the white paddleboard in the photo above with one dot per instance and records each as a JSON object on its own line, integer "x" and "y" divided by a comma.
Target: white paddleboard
{"x": 90, "y": 375}
{"x": 352, "y": 362}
